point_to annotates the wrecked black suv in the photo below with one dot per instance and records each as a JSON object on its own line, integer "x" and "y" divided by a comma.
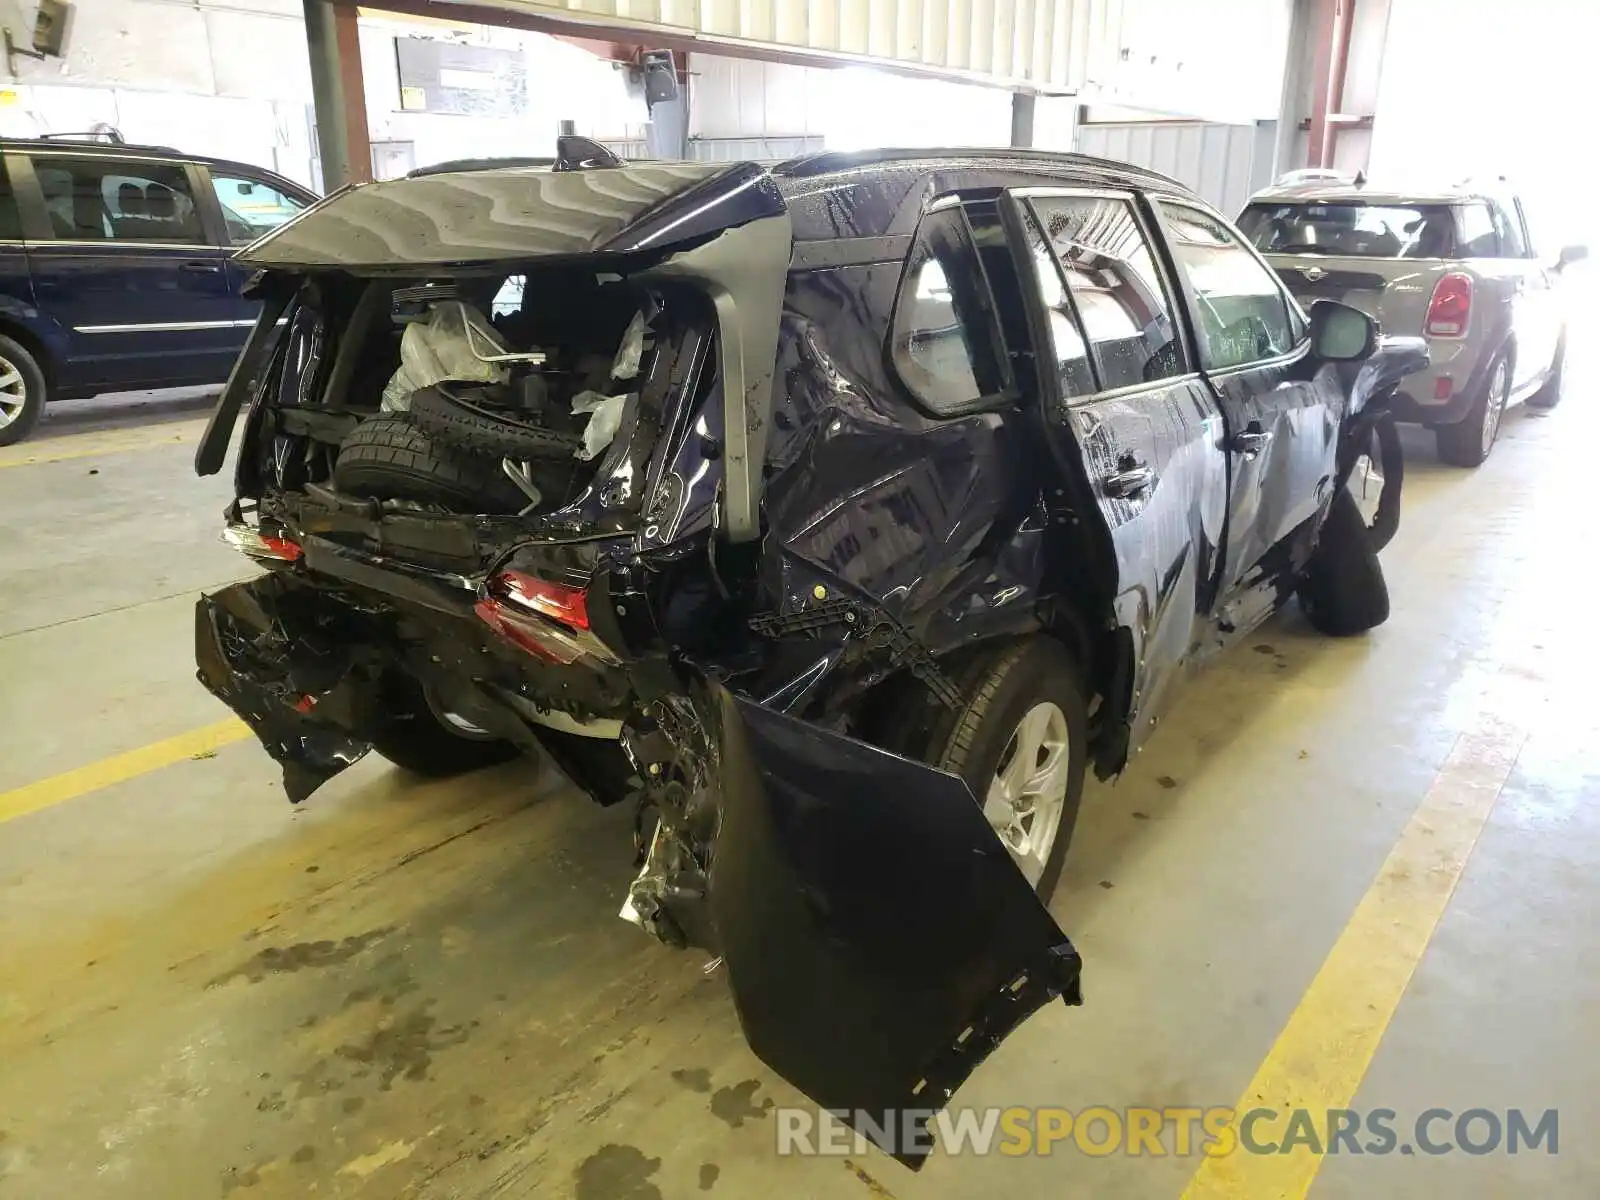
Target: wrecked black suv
{"x": 837, "y": 516}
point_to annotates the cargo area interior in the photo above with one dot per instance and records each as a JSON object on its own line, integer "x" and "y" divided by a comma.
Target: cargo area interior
{"x": 499, "y": 393}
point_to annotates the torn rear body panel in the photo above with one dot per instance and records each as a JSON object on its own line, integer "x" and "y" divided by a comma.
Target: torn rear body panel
{"x": 752, "y": 499}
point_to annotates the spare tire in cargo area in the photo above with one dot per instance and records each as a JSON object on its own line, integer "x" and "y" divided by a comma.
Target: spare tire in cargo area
{"x": 389, "y": 458}
{"x": 453, "y": 419}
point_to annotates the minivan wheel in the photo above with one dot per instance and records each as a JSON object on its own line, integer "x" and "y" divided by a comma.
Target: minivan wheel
{"x": 22, "y": 389}
{"x": 1343, "y": 591}
{"x": 1020, "y": 740}
{"x": 1468, "y": 442}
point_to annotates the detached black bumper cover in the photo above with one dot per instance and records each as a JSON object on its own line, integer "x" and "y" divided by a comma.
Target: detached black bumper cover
{"x": 879, "y": 940}
{"x": 300, "y": 695}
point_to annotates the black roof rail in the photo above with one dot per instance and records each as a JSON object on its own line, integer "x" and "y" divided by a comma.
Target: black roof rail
{"x": 109, "y": 134}
{"x": 478, "y": 164}
{"x": 825, "y": 162}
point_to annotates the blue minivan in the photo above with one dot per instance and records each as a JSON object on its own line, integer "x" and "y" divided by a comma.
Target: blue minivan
{"x": 116, "y": 268}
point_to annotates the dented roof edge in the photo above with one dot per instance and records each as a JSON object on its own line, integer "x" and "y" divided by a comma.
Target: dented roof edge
{"x": 458, "y": 219}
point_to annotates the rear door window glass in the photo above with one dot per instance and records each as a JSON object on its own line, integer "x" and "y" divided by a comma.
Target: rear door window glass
{"x": 1240, "y": 311}
{"x": 252, "y": 208}
{"x": 945, "y": 344}
{"x": 1478, "y": 236}
{"x": 1351, "y": 230}
{"x": 117, "y": 200}
{"x": 1122, "y": 307}
{"x": 1508, "y": 227}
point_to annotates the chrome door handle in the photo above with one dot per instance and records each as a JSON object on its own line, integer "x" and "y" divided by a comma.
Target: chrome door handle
{"x": 1251, "y": 442}
{"x": 201, "y": 268}
{"x": 1131, "y": 483}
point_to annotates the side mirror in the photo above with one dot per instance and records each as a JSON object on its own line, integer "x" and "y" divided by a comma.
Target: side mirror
{"x": 1340, "y": 333}
{"x": 1570, "y": 255}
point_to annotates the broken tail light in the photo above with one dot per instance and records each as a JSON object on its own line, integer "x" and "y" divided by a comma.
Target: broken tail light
{"x": 1450, "y": 310}
{"x": 260, "y": 546}
{"x": 548, "y": 620}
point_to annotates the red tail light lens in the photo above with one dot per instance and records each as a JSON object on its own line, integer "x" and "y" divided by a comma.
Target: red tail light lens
{"x": 1450, "y": 311}
{"x": 548, "y": 620}
{"x": 261, "y": 546}
{"x": 569, "y": 606}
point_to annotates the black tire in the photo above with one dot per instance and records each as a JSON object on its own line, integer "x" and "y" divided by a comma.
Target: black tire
{"x": 1463, "y": 444}
{"x": 1549, "y": 395}
{"x": 598, "y": 766}
{"x": 389, "y": 458}
{"x": 416, "y": 739}
{"x": 1343, "y": 592}
{"x": 459, "y": 423}
{"x": 999, "y": 685}
{"x": 17, "y": 357}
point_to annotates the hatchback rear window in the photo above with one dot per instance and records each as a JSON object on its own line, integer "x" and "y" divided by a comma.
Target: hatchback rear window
{"x": 1352, "y": 230}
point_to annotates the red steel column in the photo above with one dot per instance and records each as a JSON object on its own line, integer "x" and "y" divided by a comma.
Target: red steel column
{"x": 1332, "y": 25}
{"x": 358, "y": 141}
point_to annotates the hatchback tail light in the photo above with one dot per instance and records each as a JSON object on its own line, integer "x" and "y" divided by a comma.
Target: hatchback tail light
{"x": 547, "y": 620}
{"x": 1450, "y": 310}
{"x": 260, "y": 546}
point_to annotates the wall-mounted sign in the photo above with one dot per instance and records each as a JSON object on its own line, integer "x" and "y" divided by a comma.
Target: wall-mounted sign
{"x": 448, "y": 77}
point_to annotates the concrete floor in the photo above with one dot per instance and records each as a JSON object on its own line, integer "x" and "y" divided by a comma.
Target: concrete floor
{"x": 411, "y": 989}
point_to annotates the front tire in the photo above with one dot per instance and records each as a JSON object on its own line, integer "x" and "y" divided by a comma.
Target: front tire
{"x": 22, "y": 391}
{"x": 1020, "y": 741}
{"x": 1468, "y": 442}
{"x": 1344, "y": 592}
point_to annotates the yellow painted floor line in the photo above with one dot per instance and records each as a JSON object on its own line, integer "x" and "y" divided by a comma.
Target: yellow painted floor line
{"x": 1319, "y": 1059}
{"x": 119, "y": 768}
{"x": 94, "y": 445}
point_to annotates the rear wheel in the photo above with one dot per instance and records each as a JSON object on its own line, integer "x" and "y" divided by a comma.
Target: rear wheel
{"x": 1344, "y": 592}
{"x": 1020, "y": 740}
{"x": 1468, "y": 442}
{"x": 22, "y": 392}
{"x": 420, "y": 737}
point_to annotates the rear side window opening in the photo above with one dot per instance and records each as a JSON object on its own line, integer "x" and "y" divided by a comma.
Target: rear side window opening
{"x": 944, "y": 342}
{"x": 1347, "y": 230}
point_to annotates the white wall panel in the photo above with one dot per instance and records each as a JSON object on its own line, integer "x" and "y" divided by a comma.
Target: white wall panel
{"x": 1213, "y": 58}
{"x": 1217, "y": 161}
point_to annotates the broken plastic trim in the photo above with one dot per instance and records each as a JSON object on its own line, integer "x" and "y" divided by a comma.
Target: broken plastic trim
{"x": 880, "y": 941}
{"x": 745, "y": 271}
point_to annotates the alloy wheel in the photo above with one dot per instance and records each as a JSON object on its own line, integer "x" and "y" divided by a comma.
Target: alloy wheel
{"x": 1028, "y": 795}
{"x": 13, "y": 392}
{"x": 1495, "y": 407}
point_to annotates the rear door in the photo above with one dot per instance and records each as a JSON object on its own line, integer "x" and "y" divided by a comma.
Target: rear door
{"x": 1537, "y": 318}
{"x": 1281, "y": 420}
{"x": 122, "y": 261}
{"x": 1129, "y": 404}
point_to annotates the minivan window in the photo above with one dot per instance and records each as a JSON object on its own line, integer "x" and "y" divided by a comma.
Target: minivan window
{"x": 1241, "y": 313}
{"x": 252, "y": 208}
{"x": 118, "y": 200}
{"x": 944, "y": 342}
{"x": 1350, "y": 230}
{"x": 1106, "y": 265}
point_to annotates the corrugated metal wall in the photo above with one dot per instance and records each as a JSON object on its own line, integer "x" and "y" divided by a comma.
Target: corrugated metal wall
{"x": 1221, "y": 162}
{"x": 1220, "y": 59}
